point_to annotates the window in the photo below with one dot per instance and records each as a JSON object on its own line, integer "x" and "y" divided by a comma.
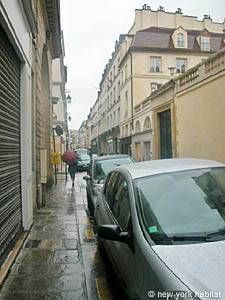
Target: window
{"x": 108, "y": 191}
{"x": 155, "y": 64}
{"x": 137, "y": 127}
{"x": 125, "y": 72}
{"x": 126, "y": 105}
{"x": 121, "y": 208}
{"x": 205, "y": 43}
{"x": 154, "y": 86}
{"x": 181, "y": 65}
{"x": 147, "y": 123}
{"x": 118, "y": 115}
{"x": 180, "y": 40}
{"x": 118, "y": 91}
{"x": 126, "y": 130}
{"x": 201, "y": 206}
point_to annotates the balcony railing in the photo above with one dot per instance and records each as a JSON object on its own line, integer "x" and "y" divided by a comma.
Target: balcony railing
{"x": 209, "y": 67}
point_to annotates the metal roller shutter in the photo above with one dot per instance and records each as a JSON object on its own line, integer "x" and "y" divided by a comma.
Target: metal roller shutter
{"x": 10, "y": 164}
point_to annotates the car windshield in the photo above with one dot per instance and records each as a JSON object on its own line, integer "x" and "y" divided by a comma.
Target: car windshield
{"x": 85, "y": 157}
{"x": 183, "y": 204}
{"x": 102, "y": 168}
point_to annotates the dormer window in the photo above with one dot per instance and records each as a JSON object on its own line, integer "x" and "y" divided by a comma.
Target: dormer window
{"x": 180, "y": 40}
{"x": 205, "y": 43}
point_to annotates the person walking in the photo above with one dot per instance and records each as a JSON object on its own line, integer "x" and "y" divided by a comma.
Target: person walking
{"x": 70, "y": 157}
{"x": 72, "y": 170}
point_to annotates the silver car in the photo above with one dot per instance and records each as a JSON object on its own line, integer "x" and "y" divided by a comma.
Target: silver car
{"x": 162, "y": 224}
{"x": 99, "y": 168}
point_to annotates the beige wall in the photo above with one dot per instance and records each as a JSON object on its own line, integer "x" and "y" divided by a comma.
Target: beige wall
{"x": 200, "y": 121}
{"x": 143, "y": 77}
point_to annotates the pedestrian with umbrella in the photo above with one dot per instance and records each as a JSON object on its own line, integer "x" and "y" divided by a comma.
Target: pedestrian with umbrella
{"x": 70, "y": 158}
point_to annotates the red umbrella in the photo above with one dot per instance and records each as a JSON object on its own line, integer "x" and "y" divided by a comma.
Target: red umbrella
{"x": 69, "y": 157}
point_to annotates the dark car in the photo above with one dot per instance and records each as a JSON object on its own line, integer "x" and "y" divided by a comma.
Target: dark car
{"x": 83, "y": 162}
{"x": 99, "y": 168}
{"x": 162, "y": 224}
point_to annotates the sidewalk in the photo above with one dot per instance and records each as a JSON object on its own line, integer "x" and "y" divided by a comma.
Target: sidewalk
{"x": 59, "y": 259}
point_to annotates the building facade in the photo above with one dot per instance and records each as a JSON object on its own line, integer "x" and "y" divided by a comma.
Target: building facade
{"x": 60, "y": 140}
{"x": 187, "y": 113}
{"x": 15, "y": 122}
{"x": 158, "y": 47}
{"x": 47, "y": 47}
{"x": 29, "y": 34}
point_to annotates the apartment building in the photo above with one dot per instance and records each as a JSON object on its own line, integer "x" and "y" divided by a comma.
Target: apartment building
{"x": 30, "y": 40}
{"x": 188, "y": 113}
{"x": 159, "y": 46}
{"x": 59, "y": 119}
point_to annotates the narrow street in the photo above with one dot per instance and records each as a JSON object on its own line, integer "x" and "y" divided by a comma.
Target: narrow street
{"x": 59, "y": 259}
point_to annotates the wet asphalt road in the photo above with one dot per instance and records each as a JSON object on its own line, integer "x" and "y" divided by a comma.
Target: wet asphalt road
{"x": 59, "y": 259}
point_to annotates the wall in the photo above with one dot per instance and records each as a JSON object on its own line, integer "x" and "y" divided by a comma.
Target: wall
{"x": 200, "y": 120}
{"x": 143, "y": 77}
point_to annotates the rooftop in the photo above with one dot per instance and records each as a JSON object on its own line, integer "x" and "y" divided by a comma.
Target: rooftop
{"x": 161, "y": 38}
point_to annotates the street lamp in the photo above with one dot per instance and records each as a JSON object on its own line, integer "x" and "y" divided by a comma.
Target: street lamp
{"x": 68, "y": 98}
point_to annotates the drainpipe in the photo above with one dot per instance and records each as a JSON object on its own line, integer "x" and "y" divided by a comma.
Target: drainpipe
{"x": 131, "y": 95}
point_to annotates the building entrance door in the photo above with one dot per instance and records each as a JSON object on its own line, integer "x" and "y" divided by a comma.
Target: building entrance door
{"x": 165, "y": 134}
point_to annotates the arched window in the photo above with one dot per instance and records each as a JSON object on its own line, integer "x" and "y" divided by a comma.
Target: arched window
{"x": 137, "y": 127}
{"x": 180, "y": 40}
{"x": 147, "y": 123}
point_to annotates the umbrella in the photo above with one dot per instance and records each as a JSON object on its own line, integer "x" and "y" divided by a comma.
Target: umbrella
{"x": 69, "y": 157}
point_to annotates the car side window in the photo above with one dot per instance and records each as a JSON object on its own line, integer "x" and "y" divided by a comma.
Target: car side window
{"x": 109, "y": 187}
{"x": 121, "y": 207}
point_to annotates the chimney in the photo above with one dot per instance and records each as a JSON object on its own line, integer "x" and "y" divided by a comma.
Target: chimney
{"x": 161, "y": 8}
{"x": 207, "y": 17}
{"x": 179, "y": 11}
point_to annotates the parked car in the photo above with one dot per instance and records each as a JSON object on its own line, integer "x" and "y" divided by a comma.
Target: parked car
{"x": 162, "y": 224}
{"x": 83, "y": 162}
{"x": 99, "y": 168}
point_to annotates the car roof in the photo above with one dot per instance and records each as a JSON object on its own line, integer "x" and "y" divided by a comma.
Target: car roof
{"x": 111, "y": 156}
{"x": 148, "y": 168}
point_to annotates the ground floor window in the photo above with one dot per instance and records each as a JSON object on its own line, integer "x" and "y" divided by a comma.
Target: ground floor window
{"x": 147, "y": 151}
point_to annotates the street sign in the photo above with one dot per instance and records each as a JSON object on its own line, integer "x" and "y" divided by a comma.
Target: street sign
{"x": 58, "y": 130}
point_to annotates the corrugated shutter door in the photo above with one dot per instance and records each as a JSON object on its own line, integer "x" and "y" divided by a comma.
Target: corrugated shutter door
{"x": 10, "y": 164}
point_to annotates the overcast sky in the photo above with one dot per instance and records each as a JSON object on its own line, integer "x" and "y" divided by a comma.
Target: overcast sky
{"x": 90, "y": 30}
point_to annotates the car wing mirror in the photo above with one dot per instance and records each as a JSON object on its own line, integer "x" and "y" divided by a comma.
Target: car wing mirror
{"x": 113, "y": 233}
{"x": 86, "y": 177}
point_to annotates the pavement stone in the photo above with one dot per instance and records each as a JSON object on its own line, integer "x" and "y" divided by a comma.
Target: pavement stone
{"x": 59, "y": 259}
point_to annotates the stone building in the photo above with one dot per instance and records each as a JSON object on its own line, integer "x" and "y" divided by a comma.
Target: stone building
{"x": 159, "y": 46}
{"x": 60, "y": 142}
{"x": 187, "y": 113}
{"x": 30, "y": 39}
{"x": 46, "y": 47}
{"x": 16, "y": 72}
